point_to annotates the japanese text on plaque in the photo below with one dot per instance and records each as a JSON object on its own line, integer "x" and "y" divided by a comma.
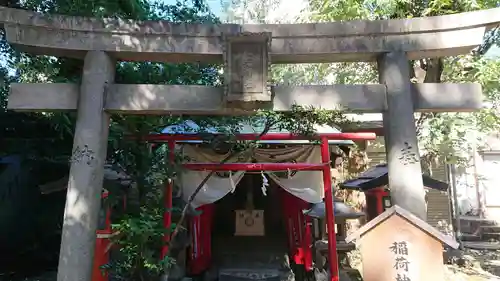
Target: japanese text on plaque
{"x": 401, "y": 262}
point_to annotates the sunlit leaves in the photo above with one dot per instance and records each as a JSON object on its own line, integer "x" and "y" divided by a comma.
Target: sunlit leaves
{"x": 141, "y": 226}
{"x": 453, "y": 134}
{"x": 443, "y": 134}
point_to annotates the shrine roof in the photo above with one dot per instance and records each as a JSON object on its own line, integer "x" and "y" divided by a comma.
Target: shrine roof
{"x": 113, "y": 176}
{"x": 191, "y": 127}
{"x": 377, "y": 176}
{"x": 408, "y": 216}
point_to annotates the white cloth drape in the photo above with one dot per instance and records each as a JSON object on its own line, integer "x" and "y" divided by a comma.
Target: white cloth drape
{"x": 307, "y": 185}
{"x": 216, "y": 187}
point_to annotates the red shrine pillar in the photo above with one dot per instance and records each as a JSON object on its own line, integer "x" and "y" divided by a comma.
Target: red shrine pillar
{"x": 330, "y": 218}
{"x": 101, "y": 254}
{"x": 167, "y": 215}
{"x": 378, "y": 194}
{"x": 200, "y": 251}
{"x": 298, "y": 227}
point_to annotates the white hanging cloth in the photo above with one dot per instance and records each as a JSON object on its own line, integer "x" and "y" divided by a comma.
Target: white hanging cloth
{"x": 219, "y": 184}
{"x": 307, "y": 185}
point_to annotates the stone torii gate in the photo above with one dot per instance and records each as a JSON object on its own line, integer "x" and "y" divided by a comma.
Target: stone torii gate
{"x": 246, "y": 51}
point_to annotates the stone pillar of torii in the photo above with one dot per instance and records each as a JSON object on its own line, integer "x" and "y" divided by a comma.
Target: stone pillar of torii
{"x": 246, "y": 51}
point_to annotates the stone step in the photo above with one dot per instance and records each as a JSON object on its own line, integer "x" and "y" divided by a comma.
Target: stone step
{"x": 481, "y": 245}
{"x": 471, "y": 224}
{"x": 490, "y": 228}
{"x": 470, "y": 237}
{"x": 251, "y": 274}
{"x": 491, "y": 235}
{"x": 476, "y": 219}
{"x": 244, "y": 273}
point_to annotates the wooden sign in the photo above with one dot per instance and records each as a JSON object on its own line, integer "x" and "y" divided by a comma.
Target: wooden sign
{"x": 249, "y": 223}
{"x": 398, "y": 246}
{"x": 246, "y": 67}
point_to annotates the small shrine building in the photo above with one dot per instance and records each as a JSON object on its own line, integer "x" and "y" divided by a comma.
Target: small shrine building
{"x": 254, "y": 210}
{"x": 374, "y": 183}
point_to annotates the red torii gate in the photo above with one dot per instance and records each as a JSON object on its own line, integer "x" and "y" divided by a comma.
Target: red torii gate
{"x": 324, "y": 166}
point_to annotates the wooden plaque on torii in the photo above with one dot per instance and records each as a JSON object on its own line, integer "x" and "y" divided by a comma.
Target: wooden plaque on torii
{"x": 246, "y": 69}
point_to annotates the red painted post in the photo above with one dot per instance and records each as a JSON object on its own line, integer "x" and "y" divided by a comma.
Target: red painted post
{"x": 308, "y": 259}
{"x": 330, "y": 218}
{"x": 101, "y": 255}
{"x": 167, "y": 215}
{"x": 380, "y": 204}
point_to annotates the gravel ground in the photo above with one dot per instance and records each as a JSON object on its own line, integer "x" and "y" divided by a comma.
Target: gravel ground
{"x": 474, "y": 265}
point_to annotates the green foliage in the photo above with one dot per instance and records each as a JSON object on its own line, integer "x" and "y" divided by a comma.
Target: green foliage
{"x": 452, "y": 134}
{"x": 139, "y": 247}
{"x": 327, "y": 10}
{"x": 441, "y": 135}
{"x": 141, "y": 225}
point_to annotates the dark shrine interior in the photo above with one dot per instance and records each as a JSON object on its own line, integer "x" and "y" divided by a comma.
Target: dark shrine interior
{"x": 224, "y": 222}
